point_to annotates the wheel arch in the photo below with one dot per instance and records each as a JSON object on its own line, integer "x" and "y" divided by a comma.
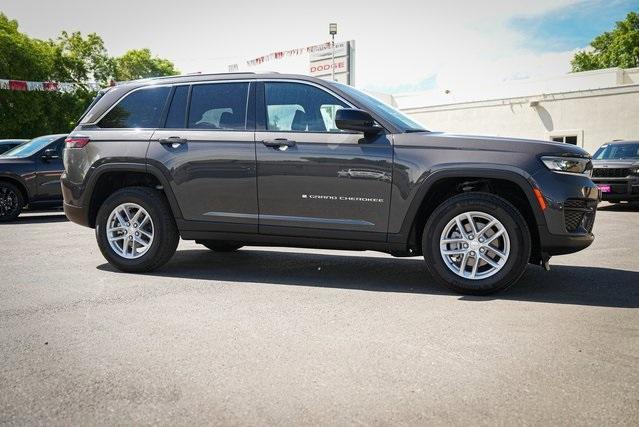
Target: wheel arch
{"x": 111, "y": 177}
{"x": 514, "y": 185}
{"x": 18, "y": 183}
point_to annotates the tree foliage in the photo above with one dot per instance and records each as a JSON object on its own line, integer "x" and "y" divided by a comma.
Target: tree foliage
{"x": 72, "y": 57}
{"x": 616, "y": 48}
{"x": 139, "y": 64}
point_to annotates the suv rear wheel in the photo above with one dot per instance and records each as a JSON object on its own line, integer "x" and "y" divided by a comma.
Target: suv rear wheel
{"x": 135, "y": 230}
{"x": 476, "y": 243}
{"x": 11, "y": 201}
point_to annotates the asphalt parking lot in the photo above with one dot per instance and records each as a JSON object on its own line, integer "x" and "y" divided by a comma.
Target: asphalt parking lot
{"x": 289, "y": 336}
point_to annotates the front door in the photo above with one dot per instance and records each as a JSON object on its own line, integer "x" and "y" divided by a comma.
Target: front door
{"x": 49, "y": 170}
{"x": 315, "y": 180}
{"x": 208, "y": 149}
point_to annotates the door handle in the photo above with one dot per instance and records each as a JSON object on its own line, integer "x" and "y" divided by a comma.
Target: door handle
{"x": 278, "y": 142}
{"x": 174, "y": 141}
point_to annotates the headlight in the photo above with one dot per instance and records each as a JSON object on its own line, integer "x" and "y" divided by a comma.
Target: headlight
{"x": 568, "y": 164}
{"x": 634, "y": 171}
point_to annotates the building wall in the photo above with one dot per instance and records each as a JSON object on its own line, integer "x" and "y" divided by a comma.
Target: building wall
{"x": 594, "y": 116}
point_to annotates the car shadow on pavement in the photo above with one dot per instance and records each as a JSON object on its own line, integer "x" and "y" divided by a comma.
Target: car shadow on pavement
{"x": 594, "y": 286}
{"x": 39, "y": 219}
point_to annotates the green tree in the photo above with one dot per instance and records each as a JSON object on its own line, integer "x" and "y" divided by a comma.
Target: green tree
{"x": 79, "y": 59}
{"x": 71, "y": 57}
{"x": 139, "y": 64}
{"x": 616, "y": 48}
{"x": 21, "y": 57}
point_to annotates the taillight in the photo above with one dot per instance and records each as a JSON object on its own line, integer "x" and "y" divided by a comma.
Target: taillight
{"x": 76, "y": 141}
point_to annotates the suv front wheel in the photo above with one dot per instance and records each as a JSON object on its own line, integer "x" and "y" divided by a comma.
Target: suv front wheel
{"x": 476, "y": 243}
{"x": 135, "y": 230}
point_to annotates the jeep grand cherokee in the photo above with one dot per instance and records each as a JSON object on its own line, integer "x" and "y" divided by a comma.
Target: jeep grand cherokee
{"x": 286, "y": 160}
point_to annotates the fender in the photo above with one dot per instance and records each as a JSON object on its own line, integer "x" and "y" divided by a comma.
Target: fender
{"x": 475, "y": 170}
{"x": 131, "y": 167}
{"x": 26, "y": 187}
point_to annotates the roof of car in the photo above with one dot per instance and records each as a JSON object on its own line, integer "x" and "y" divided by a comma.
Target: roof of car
{"x": 190, "y": 78}
{"x": 623, "y": 141}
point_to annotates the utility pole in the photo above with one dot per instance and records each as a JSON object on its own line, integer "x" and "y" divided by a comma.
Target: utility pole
{"x": 332, "y": 30}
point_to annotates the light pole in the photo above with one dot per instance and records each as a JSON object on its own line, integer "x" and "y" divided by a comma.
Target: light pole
{"x": 332, "y": 30}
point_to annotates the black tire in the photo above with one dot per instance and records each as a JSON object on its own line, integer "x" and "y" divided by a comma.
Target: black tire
{"x": 11, "y": 201}
{"x": 217, "y": 246}
{"x": 502, "y": 210}
{"x": 165, "y": 236}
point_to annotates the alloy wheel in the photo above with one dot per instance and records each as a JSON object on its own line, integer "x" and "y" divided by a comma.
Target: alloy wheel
{"x": 130, "y": 230}
{"x": 474, "y": 245}
{"x": 8, "y": 201}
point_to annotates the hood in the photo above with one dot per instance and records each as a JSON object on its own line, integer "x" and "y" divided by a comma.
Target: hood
{"x": 493, "y": 143}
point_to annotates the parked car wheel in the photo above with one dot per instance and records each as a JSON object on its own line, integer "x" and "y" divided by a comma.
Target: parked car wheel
{"x": 135, "y": 230}
{"x": 476, "y": 243}
{"x": 11, "y": 201}
{"x": 218, "y": 246}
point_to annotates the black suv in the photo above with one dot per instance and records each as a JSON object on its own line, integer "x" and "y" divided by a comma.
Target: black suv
{"x": 616, "y": 171}
{"x": 286, "y": 160}
{"x": 30, "y": 175}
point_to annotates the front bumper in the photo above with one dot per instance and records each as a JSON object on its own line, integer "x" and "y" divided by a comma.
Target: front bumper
{"x": 572, "y": 205}
{"x": 621, "y": 189}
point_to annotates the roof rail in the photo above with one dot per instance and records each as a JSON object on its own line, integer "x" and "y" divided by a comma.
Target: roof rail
{"x": 185, "y": 75}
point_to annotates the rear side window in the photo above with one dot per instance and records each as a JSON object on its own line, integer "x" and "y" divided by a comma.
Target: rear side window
{"x": 218, "y": 106}
{"x": 140, "y": 109}
{"x": 176, "y": 118}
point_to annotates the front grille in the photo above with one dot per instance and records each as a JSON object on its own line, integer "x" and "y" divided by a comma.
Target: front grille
{"x": 579, "y": 215}
{"x": 610, "y": 172}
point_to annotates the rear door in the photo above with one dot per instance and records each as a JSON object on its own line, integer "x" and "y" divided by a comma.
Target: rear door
{"x": 207, "y": 149}
{"x": 315, "y": 180}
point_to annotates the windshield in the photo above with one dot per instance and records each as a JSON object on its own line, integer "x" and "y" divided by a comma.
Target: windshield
{"x": 391, "y": 114}
{"x": 617, "y": 151}
{"x": 31, "y": 147}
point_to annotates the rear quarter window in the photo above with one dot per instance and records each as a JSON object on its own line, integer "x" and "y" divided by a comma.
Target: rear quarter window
{"x": 139, "y": 109}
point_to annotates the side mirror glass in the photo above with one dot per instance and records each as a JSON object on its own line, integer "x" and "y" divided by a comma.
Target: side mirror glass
{"x": 356, "y": 120}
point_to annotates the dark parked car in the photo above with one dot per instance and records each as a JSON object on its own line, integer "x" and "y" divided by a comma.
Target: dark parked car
{"x": 8, "y": 144}
{"x": 30, "y": 175}
{"x": 287, "y": 160}
{"x": 616, "y": 171}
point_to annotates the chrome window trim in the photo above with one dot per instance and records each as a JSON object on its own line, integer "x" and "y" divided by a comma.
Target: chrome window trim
{"x": 171, "y": 85}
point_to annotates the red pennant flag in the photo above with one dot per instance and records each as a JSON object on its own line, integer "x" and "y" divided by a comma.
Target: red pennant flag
{"x": 17, "y": 85}
{"x": 50, "y": 86}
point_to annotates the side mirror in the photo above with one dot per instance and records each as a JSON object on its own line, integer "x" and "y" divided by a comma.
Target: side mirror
{"x": 50, "y": 154}
{"x": 357, "y": 120}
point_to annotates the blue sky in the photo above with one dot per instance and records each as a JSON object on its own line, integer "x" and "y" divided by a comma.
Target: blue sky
{"x": 572, "y": 26}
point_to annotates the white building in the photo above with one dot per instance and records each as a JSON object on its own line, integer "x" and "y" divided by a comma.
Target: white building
{"x": 586, "y": 109}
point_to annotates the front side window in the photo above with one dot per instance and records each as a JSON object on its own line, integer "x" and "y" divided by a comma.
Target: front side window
{"x": 300, "y": 108}
{"x": 140, "y": 109}
{"x": 218, "y": 106}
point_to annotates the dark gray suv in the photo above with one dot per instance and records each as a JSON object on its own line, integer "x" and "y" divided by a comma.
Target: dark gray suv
{"x": 616, "y": 171}
{"x": 285, "y": 160}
